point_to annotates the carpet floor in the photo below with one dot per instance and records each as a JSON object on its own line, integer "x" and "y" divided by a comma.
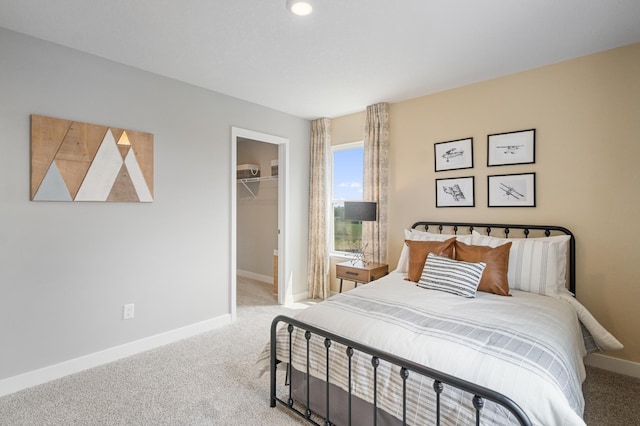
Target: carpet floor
{"x": 211, "y": 379}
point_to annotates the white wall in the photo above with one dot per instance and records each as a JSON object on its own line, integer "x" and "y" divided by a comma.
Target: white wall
{"x": 66, "y": 269}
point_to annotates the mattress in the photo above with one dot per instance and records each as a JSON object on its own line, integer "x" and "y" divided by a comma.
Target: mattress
{"x": 528, "y": 347}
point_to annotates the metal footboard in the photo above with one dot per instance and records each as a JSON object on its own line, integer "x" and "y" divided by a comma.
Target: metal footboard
{"x": 440, "y": 380}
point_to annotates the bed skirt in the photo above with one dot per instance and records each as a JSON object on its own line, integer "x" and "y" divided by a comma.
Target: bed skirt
{"x": 361, "y": 411}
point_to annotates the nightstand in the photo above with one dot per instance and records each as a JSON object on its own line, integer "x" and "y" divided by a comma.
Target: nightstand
{"x": 360, "y": 273}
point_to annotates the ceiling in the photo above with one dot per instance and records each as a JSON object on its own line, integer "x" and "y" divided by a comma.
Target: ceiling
{"x": 348, "y": 54}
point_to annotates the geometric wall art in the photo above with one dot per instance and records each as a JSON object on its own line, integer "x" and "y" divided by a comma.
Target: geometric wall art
{"x": 74, "y": 161}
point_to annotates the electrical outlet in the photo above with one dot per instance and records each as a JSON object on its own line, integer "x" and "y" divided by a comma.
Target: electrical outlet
{"x": 127, "y": 312}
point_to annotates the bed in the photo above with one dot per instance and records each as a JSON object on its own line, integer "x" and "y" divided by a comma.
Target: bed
{"x": 422, "y": 345}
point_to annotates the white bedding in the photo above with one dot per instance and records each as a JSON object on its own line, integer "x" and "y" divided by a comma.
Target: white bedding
{"x": 528, "y": 347}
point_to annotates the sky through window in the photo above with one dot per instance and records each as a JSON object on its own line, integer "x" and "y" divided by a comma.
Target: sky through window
{"x": 348, "y": 174}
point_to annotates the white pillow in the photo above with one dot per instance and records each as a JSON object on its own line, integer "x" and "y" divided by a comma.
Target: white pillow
{"x": 453, "y": 276}
{"x": 536, "y": 265}
{"x": 415, "y": 235}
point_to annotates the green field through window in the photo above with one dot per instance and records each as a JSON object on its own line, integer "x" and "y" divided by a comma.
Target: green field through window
{"x": 347, "y": 234}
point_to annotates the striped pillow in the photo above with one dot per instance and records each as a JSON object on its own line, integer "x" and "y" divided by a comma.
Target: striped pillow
{"x": 453, "y": 276}
{"x": 536, "y": 265}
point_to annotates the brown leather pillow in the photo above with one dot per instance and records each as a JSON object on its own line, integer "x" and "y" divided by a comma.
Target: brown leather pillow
{"x": 494, "y": 278}
{"x": 419, "y": 250}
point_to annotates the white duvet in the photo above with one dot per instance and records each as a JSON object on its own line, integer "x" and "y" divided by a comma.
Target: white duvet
{"x": 527, "y": 347}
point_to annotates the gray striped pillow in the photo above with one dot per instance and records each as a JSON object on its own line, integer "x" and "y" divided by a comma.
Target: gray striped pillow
{"x": 453, "y": 276}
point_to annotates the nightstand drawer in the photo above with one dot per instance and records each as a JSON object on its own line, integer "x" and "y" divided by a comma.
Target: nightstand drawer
{"x": 359, "y": 272}
{"x": 353, "y": 274}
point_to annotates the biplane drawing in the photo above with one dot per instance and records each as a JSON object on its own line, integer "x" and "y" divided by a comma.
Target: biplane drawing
{"x": 510, "y": 191}
{"x": 455, "y": 192}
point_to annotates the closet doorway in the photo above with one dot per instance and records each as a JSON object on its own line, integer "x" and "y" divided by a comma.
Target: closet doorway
{"x": 259, "y": 207}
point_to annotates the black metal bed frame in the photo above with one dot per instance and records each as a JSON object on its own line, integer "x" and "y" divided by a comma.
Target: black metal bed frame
{"x": 489, "y": 227}
{"x": 407, "y": 367}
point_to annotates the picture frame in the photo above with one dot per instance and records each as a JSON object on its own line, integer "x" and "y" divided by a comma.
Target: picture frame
{"x": 455, "y": 192}
{"x": 512, "y": 190}
{"x": 453, "y": 155}
{"x": 511, "y": 148}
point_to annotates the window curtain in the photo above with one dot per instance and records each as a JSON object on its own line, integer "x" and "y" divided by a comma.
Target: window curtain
{"x": 376, "y": 180}
{"x": 318, "y": 253}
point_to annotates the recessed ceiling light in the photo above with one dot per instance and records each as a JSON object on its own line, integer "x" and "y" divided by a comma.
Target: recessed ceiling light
{"x": 300, "y": 7}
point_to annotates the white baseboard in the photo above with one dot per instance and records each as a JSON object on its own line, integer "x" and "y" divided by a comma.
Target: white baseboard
{"x": 616, "y": 365}
{"x": 76, "y": 365}
{"x": 258, "y": 277}
{"x": 301, "y": 296}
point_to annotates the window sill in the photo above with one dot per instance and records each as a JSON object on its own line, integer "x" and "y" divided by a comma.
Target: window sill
{"x": 341, "y": 255}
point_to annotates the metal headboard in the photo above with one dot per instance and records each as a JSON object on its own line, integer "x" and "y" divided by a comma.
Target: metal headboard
{"x": 503, "y": 232}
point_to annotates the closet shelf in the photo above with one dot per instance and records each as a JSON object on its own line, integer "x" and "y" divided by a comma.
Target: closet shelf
{"x": 245, "y": 181}
{"x": 258, "y": 179}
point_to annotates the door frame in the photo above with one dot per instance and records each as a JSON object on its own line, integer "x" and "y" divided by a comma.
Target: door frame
{"x": 284, "y": 287}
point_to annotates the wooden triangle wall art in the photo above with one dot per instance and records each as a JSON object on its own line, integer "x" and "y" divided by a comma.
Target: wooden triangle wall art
{"x": 74, "y": 161}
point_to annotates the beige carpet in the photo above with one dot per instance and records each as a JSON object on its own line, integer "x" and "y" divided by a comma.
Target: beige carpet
{"x": 611, "y": 399}
{"x": 211, "y": 379}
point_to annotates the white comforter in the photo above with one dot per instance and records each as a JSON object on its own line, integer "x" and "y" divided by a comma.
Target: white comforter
{"x": 527, "y": 347}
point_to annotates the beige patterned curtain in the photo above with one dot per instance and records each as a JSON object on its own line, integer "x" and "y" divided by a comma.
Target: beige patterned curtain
{"x": 376, "y": 180}
{"x": 318, "y": 253}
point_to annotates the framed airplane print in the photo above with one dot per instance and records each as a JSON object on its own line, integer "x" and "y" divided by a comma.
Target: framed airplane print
{"x": 453, "y": 155}
{"x": 511, "y": 148}
{"x": 455, "y": 192}
{"x": 515, "y": 190}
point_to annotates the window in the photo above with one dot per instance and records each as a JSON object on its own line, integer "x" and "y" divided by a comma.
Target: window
{"x": 347, "y": 185}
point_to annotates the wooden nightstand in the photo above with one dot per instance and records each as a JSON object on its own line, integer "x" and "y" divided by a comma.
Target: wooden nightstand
{"x": 359, "y": 273}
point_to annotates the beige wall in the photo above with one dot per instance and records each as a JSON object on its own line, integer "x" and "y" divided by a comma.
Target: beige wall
{"x": 586, "y": 113}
